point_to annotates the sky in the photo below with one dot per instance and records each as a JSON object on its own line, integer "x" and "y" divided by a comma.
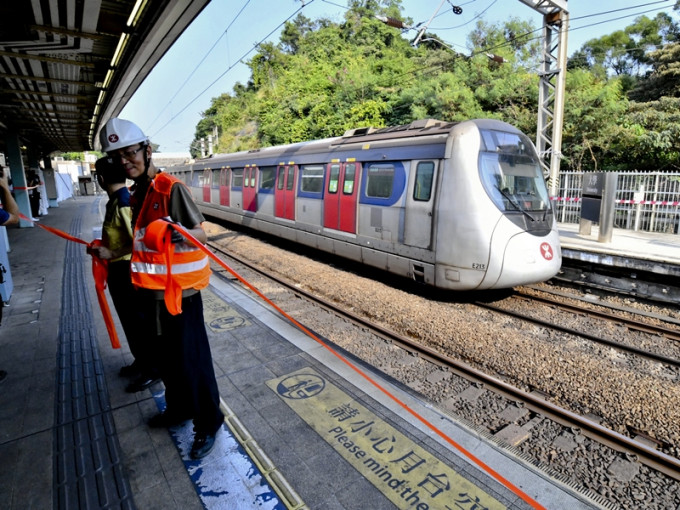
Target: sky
{"x": 209, "y": 58}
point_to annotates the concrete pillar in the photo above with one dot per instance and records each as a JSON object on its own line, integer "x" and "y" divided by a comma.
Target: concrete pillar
{"x": 16, "y": 167}
{"x": 50, "y": 182}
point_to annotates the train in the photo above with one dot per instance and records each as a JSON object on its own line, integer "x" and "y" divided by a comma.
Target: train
{"x": 455, "y": 205}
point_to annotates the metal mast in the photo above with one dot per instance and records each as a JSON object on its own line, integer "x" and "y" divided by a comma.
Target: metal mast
{"x": 552, "y": 85}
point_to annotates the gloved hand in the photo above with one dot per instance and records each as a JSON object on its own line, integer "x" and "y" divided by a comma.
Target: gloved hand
{"x": 175, "y": 237}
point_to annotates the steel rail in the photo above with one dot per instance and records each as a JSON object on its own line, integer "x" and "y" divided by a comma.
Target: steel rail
{"x": 646, "y": 455}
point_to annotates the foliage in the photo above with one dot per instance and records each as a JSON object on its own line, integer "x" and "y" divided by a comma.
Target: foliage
{"x": 323, "y": 78}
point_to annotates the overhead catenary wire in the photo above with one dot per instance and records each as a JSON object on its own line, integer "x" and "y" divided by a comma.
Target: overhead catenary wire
{"x": 255, "y": 46}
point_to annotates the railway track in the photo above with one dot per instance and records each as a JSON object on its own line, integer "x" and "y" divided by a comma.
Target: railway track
{"x": 631, "y": 325}
{"x": 644, "y": 452}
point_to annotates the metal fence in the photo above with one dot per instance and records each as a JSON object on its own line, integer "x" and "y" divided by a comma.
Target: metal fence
{"x": 645, "y": 201}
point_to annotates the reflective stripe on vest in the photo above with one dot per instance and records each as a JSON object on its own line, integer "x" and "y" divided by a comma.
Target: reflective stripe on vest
{"x": 190, "y": 266}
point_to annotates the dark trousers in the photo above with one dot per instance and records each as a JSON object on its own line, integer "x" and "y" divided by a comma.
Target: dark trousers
{"x": 129, "y": 307}
{"x": 186, "y": 365}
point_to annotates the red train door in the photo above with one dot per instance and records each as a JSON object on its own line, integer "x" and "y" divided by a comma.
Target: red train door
{"x": 249, "y": 189}
{"x": 284, "y": 194}
{"x": 205, "y": 184}
{"x": 340, "y": 199}
{"x": 224, "y": 185}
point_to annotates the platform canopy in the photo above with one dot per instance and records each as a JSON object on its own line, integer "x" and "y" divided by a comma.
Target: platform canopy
{"x": 68, "y": 65}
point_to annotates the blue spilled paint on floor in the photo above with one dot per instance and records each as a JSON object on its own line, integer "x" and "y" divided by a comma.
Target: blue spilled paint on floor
{"x": 226, "y": 478}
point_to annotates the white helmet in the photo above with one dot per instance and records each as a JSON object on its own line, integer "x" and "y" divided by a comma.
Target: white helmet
{"x": 118, "y": 133}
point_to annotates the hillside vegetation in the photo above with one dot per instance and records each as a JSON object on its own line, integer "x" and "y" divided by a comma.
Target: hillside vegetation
{"x": 623, "y": 89}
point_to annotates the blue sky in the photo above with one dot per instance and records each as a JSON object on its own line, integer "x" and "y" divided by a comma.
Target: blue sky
{"x": 207, "y": 59}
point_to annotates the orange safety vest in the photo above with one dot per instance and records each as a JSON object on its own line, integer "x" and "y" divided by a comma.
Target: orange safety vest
{"x": 189, "y": 267}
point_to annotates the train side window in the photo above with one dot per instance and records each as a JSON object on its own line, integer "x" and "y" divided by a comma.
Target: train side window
{"x": 334, "y": 178}
{"x": 267, "y": 176}
{"x": 215, "y": 177}
{"x": 237, "y": 178}
{"x": 196, "y": 179}
{"x": 282, "y": 177}
{"x": 350, "y": 177}
{"x": 311, "y": 177}
{"x": 380, "y": 181}
{"x": 224, "y": 177}
{"x": 422, "y": 190}
{"x": 291, "y": 177}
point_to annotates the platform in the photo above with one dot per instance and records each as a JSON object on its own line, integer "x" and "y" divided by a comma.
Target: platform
{"x": 644, "y": 251}
{"x": 304, "y": 428}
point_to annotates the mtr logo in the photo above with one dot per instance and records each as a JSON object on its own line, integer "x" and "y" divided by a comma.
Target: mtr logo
{"x": 546, "y": 251}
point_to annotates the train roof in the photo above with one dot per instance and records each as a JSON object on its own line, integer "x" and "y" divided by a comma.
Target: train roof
{"x": 418, "y": 133}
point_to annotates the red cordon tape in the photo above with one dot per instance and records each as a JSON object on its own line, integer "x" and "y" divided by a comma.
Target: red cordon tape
{"x": 509, "y": 485}
{"x": 164, "y": 239}
{"x": 157, "y": 237}
{"x": 100, "y": 271}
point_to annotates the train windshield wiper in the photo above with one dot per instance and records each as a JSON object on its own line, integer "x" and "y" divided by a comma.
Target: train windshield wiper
{"x": 512, "y": 200}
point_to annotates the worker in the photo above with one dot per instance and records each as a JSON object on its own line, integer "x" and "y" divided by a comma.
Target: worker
{"x": 116, "y": 248}
{"x": 9, "y": 214}
{"x": 180, "y": 337}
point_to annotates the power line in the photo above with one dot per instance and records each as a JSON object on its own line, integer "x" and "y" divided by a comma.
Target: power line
{"x": 233, "y": 65}
{"x": 199, "y": 64}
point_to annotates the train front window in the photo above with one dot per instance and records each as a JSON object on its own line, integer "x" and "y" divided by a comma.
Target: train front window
{"x": 511, "y": 173}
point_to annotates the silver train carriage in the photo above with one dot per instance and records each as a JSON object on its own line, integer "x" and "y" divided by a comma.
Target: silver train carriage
{"x": 459, "y": 206}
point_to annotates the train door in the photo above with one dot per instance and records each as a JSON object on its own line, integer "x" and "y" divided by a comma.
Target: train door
{"x": 249, "y": 189}
{"x": 284, "y": 194}
{"x": 206, "y": 180}
{"x": 340, "y": 199}
{"x": 215, "y": 186}
{"x": 224, "y": 186}
{"x": 420, "y": 204}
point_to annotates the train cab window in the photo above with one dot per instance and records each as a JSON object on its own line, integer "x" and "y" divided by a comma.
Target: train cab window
{"x": 311, "y": 177}
{"x": 511, "y": 172}
{"x": 267, "y": 177}
{"x": 380, "y": 179}
{"x": 237, "y": 178}
{"x": 334, "y": 178}
{"x": 422, "y": 190}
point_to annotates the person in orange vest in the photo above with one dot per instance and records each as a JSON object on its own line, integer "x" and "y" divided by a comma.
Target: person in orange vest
{"x": 170, "y": 271}
{"x": 116, "y": 248}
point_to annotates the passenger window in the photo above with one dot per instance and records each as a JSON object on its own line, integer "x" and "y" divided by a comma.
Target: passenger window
{"x": 291, "y": 178}
{"x": 350, "y": 173}
{"x": 267, "y": 174}
{"x": 196, "y": 179}
{"x": 334, "y": 178}
{"x": 237, "y": 178}
{"x": 312, "y": 178}
{"x": 422, "y": 190}
{"x": 380, "y": 181}
{"x": 224, "y": 177}
{"x": 282, "y": 177}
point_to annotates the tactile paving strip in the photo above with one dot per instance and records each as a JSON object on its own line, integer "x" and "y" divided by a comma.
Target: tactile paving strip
{"x": 87, "y": 458}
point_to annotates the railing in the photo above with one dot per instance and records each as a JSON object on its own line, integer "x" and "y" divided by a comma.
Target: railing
{"x": 646, "y": 201}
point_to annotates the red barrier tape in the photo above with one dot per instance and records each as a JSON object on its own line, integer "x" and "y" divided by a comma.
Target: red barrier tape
{"x": 509, "y": 485}
{"x": 100, "y": 270}
{"x": 165, "y": 239}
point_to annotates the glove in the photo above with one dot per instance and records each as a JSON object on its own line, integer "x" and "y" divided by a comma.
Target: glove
{"x": 175, "y": 237}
